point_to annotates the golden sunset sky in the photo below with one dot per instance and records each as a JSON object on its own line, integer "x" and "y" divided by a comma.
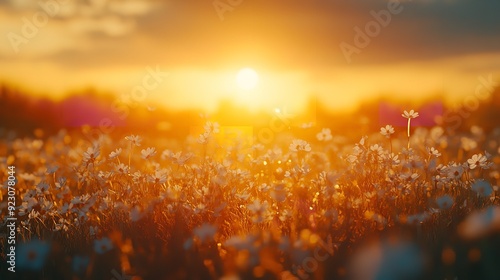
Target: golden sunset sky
{"x": 51, "y": 47}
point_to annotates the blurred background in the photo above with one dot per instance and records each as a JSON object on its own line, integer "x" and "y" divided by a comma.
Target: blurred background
{"x": 73, "y": 63}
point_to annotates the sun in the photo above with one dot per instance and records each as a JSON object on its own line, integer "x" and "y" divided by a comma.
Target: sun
{"x": 247, "y": 79}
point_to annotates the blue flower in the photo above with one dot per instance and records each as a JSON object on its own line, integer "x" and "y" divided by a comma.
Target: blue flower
{"x": 400, "y": 261}
{"x": 205, "y": 232}
{"x": 444, "y": 202}
{"x": 389, "y": 260}
{"x": 482, "y": 188}
{"x": 32, "y": 255}
{"x": 102, "y": 245}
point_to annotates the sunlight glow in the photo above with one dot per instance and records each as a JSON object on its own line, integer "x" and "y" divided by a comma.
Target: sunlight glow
{"x": 247, "y": 79}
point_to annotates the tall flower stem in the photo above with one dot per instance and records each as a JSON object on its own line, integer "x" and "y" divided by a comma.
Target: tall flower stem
{"x": 130, "y": 153}
{"x": 409, "y": 115}
{"x": 409, "y": 121}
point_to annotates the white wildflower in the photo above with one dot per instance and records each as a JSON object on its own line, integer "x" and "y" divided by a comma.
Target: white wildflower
{"x": 134, "y": 139}
{"x": 148, "y": 153}
{"x": 387, "y": 131}
{"x": 410, "y": 115}
{"x": 299, "y": 145}
{"x": 324, "y": 135}
{"x": 115, "y": 153}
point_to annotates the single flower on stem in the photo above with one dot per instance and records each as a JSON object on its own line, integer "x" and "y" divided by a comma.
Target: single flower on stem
{"x": 115, "y": 154}
{"x": 135, "y": 140}
{"x": 433, "y": 152}
{"x": 479, "y": 160}
{"x": 387, "y": 131}
{"x": 409, "y": 115}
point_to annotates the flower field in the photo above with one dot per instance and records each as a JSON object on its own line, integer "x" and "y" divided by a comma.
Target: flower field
{"x": 398, "y": 203}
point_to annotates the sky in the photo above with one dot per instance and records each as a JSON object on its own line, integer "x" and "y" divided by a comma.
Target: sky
{"x": 340, "y": 52}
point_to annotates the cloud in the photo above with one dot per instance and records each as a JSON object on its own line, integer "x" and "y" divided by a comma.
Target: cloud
{"x": 288, "y": 33}
{"x": 108, "y": 25}
{"x": 131, "y": 7}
